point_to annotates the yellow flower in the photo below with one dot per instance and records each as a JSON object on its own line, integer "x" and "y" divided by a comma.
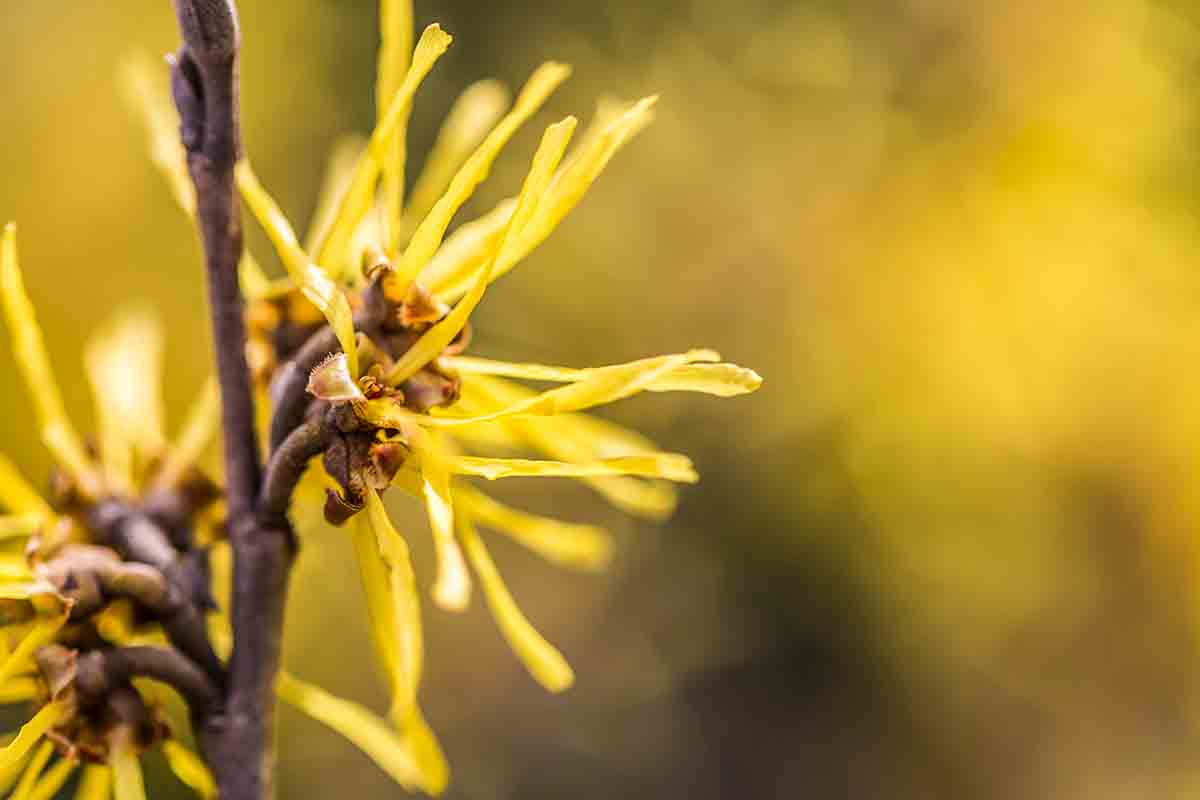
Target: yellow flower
{"x": 397, "y": 292}
{"x": 131, "y": 462}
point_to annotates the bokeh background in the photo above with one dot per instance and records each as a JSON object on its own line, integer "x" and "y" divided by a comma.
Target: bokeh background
{"x": 947, "y": 551}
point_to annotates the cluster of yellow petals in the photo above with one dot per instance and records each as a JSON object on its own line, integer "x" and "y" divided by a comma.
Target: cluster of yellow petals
{"x": 363, "y": 205}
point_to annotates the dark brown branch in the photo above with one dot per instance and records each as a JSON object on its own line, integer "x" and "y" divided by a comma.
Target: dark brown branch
{"x": 99, "y": 672}
{"x": 178, "y": 609}
{"x": 287, "y": 465}
{"x": 205, "y": 85}
{"x": 237, "y": 740}
{"x": 289, "y": 393}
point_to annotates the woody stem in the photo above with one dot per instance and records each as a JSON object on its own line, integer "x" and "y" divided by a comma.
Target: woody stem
{"x": 236, "y": 739}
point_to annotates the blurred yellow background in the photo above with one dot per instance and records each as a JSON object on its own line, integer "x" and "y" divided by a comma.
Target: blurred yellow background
{"x": 946, "y": 551}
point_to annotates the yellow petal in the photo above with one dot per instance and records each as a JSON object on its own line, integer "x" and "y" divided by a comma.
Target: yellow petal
{"x": 669, "y": 466}
{"x": 17, "y": 495}
{"x": 475, "y": 112}
{"x": 426, "y": 749}
{"x": 435, "y": 340}
{"x": 428, "y": 235}
{"x": 33, "y": 772}
{"x": 126, "y": 770}
{"x": 19, "y": 690}
{"x": 722, "y": 380}
{"x": 452, "y": 271}
{"x": 220, "y": 628}
{"x": 312, "y": 280}
{"x": 30, "y": 733}
{"x": 25, "y": 590}
{"x": 14, "y": 567}
{"x": 360, "y": 195}
{"x": 564, "y": 543}
{"x": 545, "y": 663}
{"x": 338, "y": 172}
{"x": 575, "y": 178}
{"x": 18, "y": 525}
{"x": 124, "y": 366}
{"x": 95, "y": 784}
{"x": 201, "y": 425}
{"x": 58, "y": 434}
{"x": 115, "y": 623}
{"x": 598, "y": 386}
{"x": 392, "y": 601}
{"x": 392, "y": 753}
{"x": 10, "y": 774}
{"x": 609, "y": 131}
{"x": 396, "y": 29}
{"x": 452, "y": 587}
{"x": 55, "y": 778}
{"x": 188, "y": 767}
{"x": 579, "y": 438}
{"x": 21, "y": 657}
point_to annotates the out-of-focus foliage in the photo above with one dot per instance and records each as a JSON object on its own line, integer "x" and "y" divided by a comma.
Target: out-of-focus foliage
{"x": 947, "y": 551}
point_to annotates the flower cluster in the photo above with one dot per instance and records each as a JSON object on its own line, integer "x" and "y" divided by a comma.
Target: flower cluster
{"x": 104, "y": 584}
{"x": 359, "y": 356}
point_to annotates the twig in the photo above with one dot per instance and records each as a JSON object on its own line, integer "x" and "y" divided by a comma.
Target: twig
{"x": 99, "y": 672}
{"x": 238, "y": 740}
{"x": 287, "y": 465}
{"x": 178, "y": 608}
{"x": 289, "y": 395}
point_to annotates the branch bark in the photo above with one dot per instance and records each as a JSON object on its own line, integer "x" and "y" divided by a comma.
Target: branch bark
{"x": 237, "y": 740}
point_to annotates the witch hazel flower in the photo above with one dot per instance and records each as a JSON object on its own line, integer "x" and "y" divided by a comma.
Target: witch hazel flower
{"x": 360, "y": 353}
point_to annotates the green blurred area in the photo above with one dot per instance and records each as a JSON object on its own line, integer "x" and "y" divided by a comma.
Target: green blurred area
{"x": 946, "y": 551}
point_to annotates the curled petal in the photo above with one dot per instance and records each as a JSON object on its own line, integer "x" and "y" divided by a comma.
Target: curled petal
{"x": 578, "y": 175}
{"x": 314, "y": 283}
{"x": 22, "y": 655}
{"x": 669, "y": 466}
{"x": 360, "y": 195}
{"x": 395, "y": 58}
{"x": 392, "y": 602}
{"x": 452, "y": 588}
{"x": 411, "y": 766}
{"x": 428, "y": 235}
{"x": 722, "y": 380}
{"x": 549, "y": 153}
{"x": 545, "y": 663}
{"x": 611, "y": 131}
{"x": 574, "y": 437}
{"x": 475, "y": 112}
{"x": 593, "y": 387}
{"x": 345, "y": 155}
{"x": 452, "y": 270}
{"x": 564, "y": 543}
